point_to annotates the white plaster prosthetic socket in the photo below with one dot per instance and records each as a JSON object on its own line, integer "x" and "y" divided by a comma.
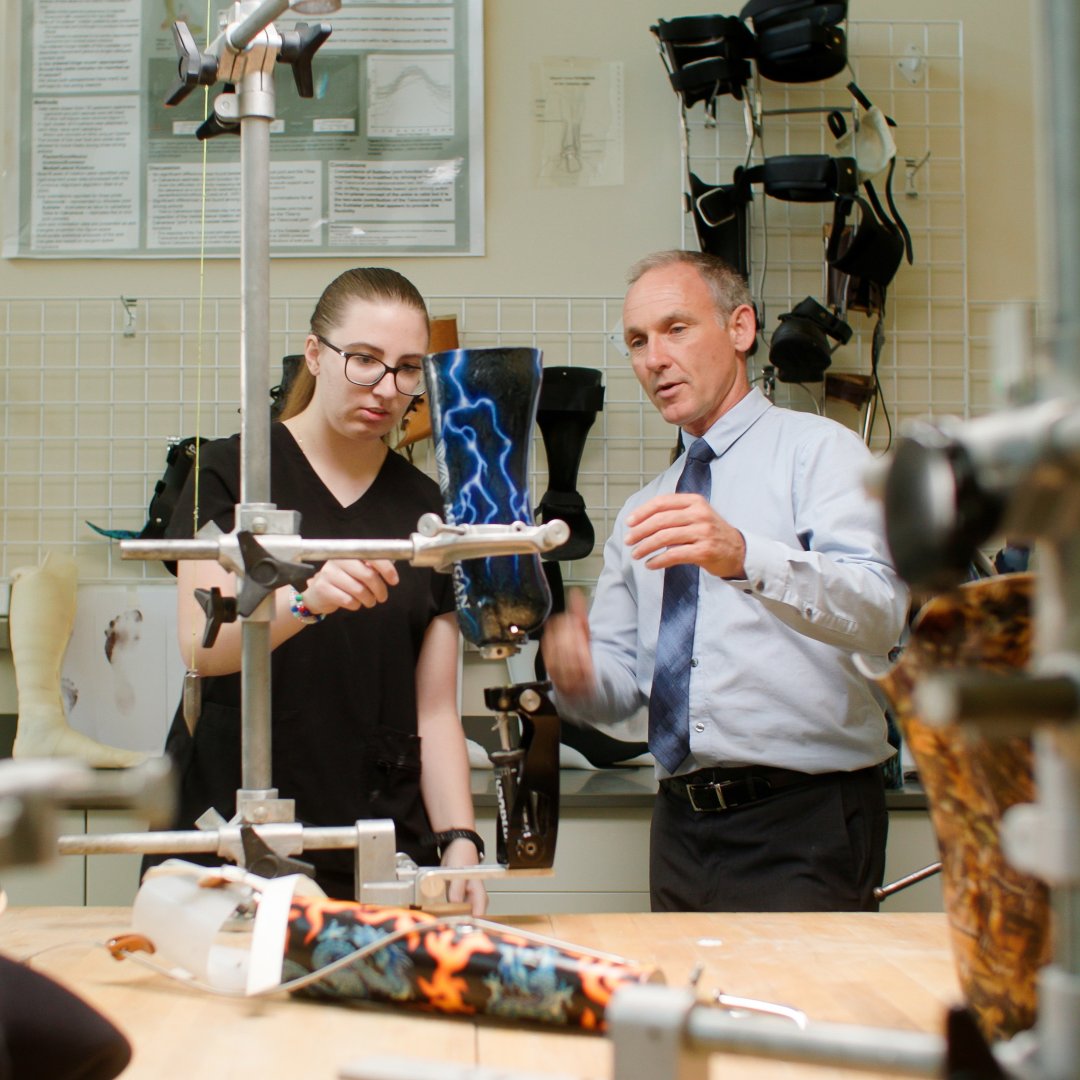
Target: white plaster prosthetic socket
{"x": 181, "y": 908}
{"x": 871, "y": 144}
{"x": 43, "y": 600}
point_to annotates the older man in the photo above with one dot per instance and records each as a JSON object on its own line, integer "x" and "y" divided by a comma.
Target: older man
{"x": 737, "y": 587}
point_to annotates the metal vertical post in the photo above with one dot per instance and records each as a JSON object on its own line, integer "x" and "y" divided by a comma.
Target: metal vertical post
{"x": 1057, "y": 611}
{"x": 256, "y": 108}
{"x": 1062, "y": 47}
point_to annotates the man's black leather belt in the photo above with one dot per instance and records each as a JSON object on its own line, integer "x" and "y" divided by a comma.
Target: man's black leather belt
{"x": 711, "y": 790}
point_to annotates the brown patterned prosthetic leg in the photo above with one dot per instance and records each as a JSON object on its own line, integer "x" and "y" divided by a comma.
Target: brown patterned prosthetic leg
{"x": 998, "y": 916}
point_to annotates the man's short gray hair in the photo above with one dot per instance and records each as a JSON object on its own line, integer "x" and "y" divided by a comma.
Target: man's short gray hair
{"x": 729, "y": 289}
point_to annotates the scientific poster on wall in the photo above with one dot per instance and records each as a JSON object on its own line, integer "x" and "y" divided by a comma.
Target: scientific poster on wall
{"x": 386, "y": 158}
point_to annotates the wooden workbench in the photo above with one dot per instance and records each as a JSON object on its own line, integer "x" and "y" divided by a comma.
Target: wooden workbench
{"x": 884, "y": 970}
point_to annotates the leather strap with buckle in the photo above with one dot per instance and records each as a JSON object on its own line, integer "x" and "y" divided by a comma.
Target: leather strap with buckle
{"x": 727, "y": 794}
{"x": 716, "y": 790}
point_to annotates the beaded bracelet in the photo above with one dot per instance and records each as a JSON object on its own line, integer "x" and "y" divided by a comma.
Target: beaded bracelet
{"x": 302, "y": 612}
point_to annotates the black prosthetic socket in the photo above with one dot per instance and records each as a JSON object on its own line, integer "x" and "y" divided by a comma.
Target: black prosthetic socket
{"x": 570, "y": 398}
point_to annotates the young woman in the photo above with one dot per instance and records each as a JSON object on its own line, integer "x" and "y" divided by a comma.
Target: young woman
{"x": 364, "y": 662}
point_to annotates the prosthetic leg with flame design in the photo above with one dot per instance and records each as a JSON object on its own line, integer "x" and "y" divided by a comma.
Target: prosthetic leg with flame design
{"x": 468, "y": 968}
{"x": 338, "y": 950}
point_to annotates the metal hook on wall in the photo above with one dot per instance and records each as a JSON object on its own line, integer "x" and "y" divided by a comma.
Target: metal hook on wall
{"x": 128, "y": 303}
{"x": 912, "y": 64}
{"x": 911, "y": 167}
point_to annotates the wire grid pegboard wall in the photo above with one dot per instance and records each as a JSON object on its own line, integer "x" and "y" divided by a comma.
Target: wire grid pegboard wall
{"x": 913, "y": 71}
{"x": 91, "y": 391}
{"x": 94, "y": 391}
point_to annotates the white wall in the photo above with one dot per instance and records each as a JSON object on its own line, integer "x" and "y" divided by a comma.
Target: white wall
{"x": 570, "y": 241}
{"x": 580, "y": 241}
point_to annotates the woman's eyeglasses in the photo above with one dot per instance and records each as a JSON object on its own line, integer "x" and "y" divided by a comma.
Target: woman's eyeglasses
{"x": 362, "y": 369}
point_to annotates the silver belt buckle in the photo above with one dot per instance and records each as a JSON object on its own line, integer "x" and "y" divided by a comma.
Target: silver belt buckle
{"x": 717, "y": 788}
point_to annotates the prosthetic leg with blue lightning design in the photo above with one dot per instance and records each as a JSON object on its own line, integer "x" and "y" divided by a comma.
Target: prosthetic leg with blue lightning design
{"x": 483, "y": 406}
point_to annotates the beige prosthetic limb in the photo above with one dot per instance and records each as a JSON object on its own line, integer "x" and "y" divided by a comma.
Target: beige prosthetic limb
{"x": 41, "y": 620}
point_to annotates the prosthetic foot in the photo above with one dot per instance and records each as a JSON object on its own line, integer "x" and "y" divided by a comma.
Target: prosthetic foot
{"x": 41, "y": 619}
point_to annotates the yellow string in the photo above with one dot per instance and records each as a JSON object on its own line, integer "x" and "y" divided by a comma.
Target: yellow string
{"x": 199, "y": 330}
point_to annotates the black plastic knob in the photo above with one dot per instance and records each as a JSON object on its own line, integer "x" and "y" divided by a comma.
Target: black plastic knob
{"x": 218, "y": 609}
{"x": 936, "y": 513}
{"x": 193, "y": 68}
{"x": 264, "y": 573}
{"x": 297, "y": 48}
